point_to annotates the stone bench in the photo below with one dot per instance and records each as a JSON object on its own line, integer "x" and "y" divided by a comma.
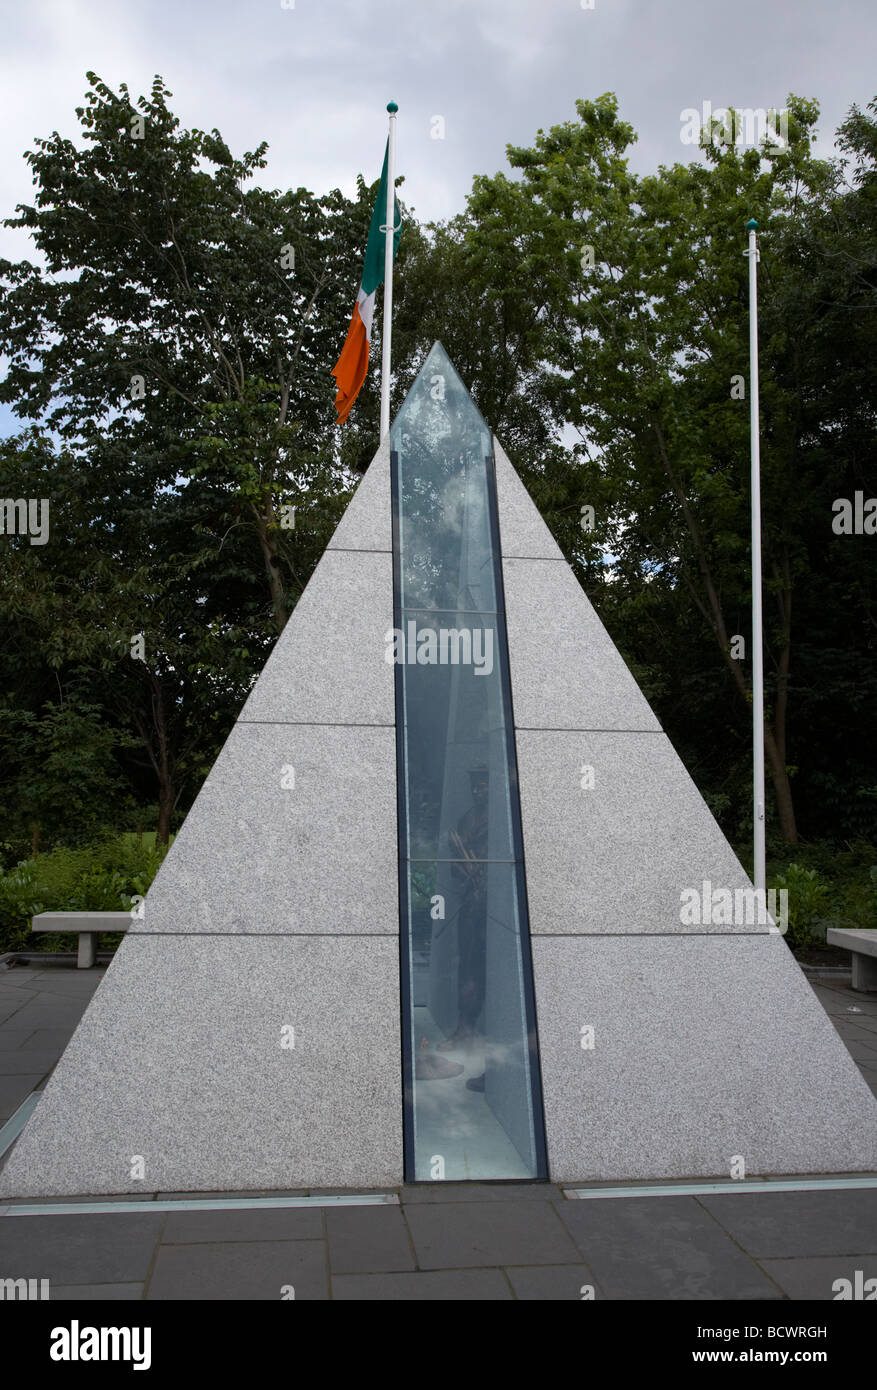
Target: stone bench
{"x": 862, "y": 941}
{"x": 88, "y": 925}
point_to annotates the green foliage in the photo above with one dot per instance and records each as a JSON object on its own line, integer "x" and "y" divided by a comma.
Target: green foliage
{"x": 60, "y": 773}
{"x": 103, "y": 877}
{"x": 828, "y": 886}
{"x": 636, "y": 353}
{"x": 807, "y": 903}
{"x": 99, "y": 890}
{"x": 183, "y": 362}
{"x": 160, "y": 259}
{"x": 19, "y": 901}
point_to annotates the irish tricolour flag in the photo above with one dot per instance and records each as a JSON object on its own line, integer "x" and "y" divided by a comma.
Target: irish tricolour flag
{"x": 350, "y": 369}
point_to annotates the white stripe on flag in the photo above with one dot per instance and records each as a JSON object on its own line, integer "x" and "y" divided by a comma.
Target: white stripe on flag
{"x": 366, "y": 304}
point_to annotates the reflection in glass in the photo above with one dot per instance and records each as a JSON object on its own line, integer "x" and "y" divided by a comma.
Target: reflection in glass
{"x": 473, "y": 1101}
{"x": 453, "y": 726}
{"x": 446, "y": 554}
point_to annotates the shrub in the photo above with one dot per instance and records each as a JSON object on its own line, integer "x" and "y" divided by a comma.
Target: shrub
{"x": 19, "y": 901}
{"x": 807, "y": 904}
{"x": 100, "y": 878}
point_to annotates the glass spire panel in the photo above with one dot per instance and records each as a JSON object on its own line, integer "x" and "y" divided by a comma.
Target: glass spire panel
{"x": 473, "y": 1104}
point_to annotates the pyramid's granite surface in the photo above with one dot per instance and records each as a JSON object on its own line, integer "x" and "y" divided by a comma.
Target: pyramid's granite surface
{"x": 277, "y": 908}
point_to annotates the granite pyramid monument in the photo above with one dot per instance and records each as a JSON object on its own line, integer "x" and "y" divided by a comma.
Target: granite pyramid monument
{"x": 517, "y": 807}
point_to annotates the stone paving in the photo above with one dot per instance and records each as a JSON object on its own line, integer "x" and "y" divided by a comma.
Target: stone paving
{"x": 453, "y": 1242}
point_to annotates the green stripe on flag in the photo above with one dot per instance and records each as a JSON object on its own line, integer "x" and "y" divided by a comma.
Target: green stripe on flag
{"x": 373, "y": 270}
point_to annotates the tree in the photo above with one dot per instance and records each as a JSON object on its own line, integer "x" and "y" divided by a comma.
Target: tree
{"x": 116, "y": 613}
{"x": 178, "y": 345}
{"x": 637, "y": 294}
{"x": 183, "y": 325}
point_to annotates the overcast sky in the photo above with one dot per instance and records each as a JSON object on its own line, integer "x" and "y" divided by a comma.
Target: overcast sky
{"x": 314, "y": 79}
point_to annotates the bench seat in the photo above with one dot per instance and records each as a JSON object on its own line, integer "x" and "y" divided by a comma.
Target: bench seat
{"x": 862, "y": 941}
{"x": 88, "y": 925}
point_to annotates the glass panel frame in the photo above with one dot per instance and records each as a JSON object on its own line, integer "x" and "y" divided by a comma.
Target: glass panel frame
{"x": 513, "y": 1063}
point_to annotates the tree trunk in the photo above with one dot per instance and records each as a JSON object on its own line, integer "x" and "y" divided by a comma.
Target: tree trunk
{"x": 782, "y": 788}
{"x": 165, "y": 807}
{"x": 162, "y": 764}
{"x": 268, "y": 542}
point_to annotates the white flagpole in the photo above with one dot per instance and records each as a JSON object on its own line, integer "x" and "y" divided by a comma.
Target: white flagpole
{"x": 760, "y": 871}
{"x": 389, "y": 231}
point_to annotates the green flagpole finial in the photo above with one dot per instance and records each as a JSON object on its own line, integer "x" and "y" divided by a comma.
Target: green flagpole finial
{"x": 752, "y": 225}
{"x": 391, "y": 106}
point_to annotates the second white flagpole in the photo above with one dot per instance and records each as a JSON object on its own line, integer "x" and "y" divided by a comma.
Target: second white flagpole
{"x": 759, "y": 866}
{"x": 389, "y": 236}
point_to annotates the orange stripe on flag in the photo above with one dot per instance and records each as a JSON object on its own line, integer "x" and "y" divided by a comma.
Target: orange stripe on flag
{"x": 350, "y": 369}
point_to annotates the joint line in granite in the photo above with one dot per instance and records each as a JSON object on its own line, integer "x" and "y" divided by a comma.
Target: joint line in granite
{"x": 315, "y": 723}
{"x": 280, "y": 935}
{"x": 359, "y": 550}
{"x": 557, "y": 729}
{"x": 642, "y": 935}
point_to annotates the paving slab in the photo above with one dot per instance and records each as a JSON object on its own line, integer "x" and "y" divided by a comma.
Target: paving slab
{"x": 43, "y": 1039}
{"x": 41, "y": 1013}
{"x": 240, "y": 1270}
{"x": 663, "y": 1248}
{"x": 15, "y": 1089}
{"x": 865, "y": 1023}
{"x": 814, "y": 1278}
{"x": 847, "y": 1002}
{"x": 319, "y": 1192}
{"x": 19, "y": 1062}
{"x": 368, "y": 1240}
{"x": 9, "y": 1008}
{"x": 12, "y": 1037}
{"x": 93, "y": 1249}
{"x": 428, "y": 1286}
{"x": 855, "y": 1033}
{"x": 66, "y": 995}
{"x": 788, "y": 1224}
{"x": 479, "y": 1192}
{"x": 14, "y": 994}
{"x": 555, "y": 1283}
{"x": 19, "y": 975}
{"x": 278, "y": 1223}
{"x": 487, "y": 1235}
{"x": 69, "y": 980}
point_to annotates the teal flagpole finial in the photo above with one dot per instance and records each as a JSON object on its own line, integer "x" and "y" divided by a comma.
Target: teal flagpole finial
{"x": 391, "y": 106}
